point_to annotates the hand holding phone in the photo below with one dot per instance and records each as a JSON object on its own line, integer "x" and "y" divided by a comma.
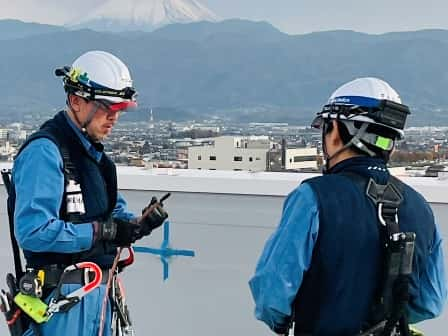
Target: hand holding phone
{"x": 153, "y": 215}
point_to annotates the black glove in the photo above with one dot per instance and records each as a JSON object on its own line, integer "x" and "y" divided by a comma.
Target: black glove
{"x": 153, "y": 216}
{"x": 118, "y": 231}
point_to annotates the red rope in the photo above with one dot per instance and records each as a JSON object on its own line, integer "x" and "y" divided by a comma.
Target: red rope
{"x": 106, "y": 294}
{"x": 14, "y": 317}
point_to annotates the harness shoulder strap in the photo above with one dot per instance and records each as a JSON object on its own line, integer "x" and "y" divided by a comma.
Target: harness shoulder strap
{"x": 18, "y": 268}
{"x": 70, "y": 176}
{"x": 387, "y": 199}
{"x": 398, "y": 250}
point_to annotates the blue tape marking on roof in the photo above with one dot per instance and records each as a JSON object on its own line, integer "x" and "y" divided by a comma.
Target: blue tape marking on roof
{"x": 166, "y": 269}
{"x": 165, "y": 252}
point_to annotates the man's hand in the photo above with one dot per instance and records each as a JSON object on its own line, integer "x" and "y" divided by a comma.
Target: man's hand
{"x": 118, "y": 231}
{"x": 153, "y": 216}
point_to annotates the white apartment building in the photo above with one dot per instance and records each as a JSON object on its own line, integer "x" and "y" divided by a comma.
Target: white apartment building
{"x": 292, "y": 159}
{"x": 301, "y": 158}
{"x": 231, "y": 153}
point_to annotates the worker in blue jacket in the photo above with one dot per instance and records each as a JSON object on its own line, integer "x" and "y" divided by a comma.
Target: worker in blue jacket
{"x": 322, "y": 270}
{"x": 65, "y": 201}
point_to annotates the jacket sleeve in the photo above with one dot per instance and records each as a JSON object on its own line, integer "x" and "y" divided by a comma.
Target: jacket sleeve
{"x": 39, "y": 184}
{"x": 428, "y": 300}
{"x": 121, "y": 209}
{"x": 286, "y": 256}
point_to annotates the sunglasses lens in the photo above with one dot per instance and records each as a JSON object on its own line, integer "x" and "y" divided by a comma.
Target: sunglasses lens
{"x": 115, "y": 107}
{"x": 123, "y": 106}
{"x": 317, "y": 123}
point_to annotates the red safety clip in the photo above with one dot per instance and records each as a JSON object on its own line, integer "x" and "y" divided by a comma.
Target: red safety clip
{"x": 123, "y": 263}
{"x": 62, "y": 303}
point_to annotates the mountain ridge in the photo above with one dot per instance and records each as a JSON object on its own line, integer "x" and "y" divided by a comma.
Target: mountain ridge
{"x": 240, "y": 70}
{"x": 11, "y": 29}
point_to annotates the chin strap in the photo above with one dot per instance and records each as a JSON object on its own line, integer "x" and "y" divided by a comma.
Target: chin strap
{"x": 88, "y": 120}
{"x": 89, "y": 117}
{"x": 355, "y": 141}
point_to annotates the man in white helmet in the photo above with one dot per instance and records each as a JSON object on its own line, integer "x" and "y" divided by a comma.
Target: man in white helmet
{"x": 357, "y": 252}
{"x": 64, "y": 198}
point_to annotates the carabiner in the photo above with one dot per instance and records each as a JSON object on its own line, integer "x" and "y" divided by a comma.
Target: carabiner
{"x": 62, "y": 303}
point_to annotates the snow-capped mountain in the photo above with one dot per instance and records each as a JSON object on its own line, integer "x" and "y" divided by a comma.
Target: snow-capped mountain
{"x": 119, "y": 15}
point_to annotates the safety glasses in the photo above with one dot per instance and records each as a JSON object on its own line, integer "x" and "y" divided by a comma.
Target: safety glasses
{"x": 110, "y": 107}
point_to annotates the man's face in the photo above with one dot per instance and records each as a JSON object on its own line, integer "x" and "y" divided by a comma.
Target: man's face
{"x": 102, "y": 122}
{"x": 103, "y": 119}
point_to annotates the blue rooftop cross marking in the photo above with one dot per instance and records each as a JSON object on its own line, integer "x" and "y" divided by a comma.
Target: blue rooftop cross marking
{"x": 165, "y": 252}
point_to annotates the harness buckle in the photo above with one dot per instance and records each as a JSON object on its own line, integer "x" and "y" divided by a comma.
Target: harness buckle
{"x": 381, "y": 212}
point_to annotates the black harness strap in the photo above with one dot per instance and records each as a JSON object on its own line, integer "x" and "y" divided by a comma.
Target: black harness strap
{"x": 397, "y": 251}
{"x": 395, "y": 293}
{"x": 387, "y": 198}
{"x": 18, "y": 268}
{"x": 22, "y": 322}
{"x": 70, "y": 173}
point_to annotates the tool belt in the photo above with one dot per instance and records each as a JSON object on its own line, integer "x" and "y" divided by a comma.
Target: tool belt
{"x": 53, "y": 273}
{"x": 24, "y": 305}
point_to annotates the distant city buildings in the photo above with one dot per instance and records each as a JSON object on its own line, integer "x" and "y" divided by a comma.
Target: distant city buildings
{"x": 3, "y": 133}
{"x": 222, "y": 145}
{"x": 252, "y": 153}
{"x": 231, "y": 153}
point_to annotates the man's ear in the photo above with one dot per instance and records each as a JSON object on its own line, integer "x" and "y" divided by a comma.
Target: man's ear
{"x": 335, "y": 135}
{"x": 74, "y": 102}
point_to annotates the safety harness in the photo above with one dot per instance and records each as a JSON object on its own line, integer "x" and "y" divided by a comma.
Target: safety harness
{"x": 388, "y": 315}
{"x": 398, "y": 251}
{"x": 17, "y": 323}
{"x": 22, "y": 304}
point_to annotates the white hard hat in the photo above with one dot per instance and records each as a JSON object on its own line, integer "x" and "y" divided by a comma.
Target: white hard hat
{"x": 368, "y": 87}
{"x": 99, "y": 75}
{"x": 364, "y": 92}
{"x": 367, "y": 100}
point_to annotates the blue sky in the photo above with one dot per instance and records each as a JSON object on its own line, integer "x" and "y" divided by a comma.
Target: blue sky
{"x": 291, "y": 16}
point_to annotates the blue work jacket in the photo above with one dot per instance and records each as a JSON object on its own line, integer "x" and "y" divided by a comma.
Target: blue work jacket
{"x": 311, "y": 259}
{"x": 38, "y": 179}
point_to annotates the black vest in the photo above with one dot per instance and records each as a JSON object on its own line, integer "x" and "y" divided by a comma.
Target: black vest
{"x": 340, "y": 288}
{"x": 98, "y": 182}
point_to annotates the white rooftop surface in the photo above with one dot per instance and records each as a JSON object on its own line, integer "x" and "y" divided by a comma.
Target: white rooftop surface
{"x": 434, "y": 189}
{"x": 247, "y": 183}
